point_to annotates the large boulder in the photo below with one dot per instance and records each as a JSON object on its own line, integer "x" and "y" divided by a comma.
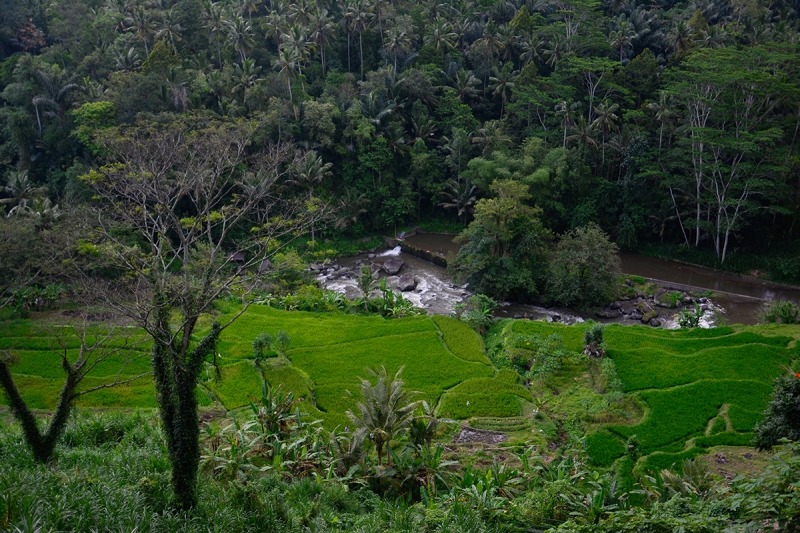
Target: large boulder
{"x": 393, "y": 265}
{"x": 406, "y": 282}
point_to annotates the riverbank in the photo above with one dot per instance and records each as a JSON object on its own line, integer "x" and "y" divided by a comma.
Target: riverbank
{"x": 780, "y": 267}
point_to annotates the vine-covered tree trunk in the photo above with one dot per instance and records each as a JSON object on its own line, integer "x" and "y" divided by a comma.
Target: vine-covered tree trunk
{"x": 175, "y": 375}
{"x": 42, "y": 445}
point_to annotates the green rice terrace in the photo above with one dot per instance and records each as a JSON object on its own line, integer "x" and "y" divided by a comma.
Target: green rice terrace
{"x": 679, "y": 392}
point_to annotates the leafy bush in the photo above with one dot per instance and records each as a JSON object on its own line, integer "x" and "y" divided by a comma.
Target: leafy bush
{"x": 690, "y": 319}
{"x": 594, "y": 334}
{"x": 782, "y": 417}
{"x": 779, "y": 312}
{"x": 477, "y": 311}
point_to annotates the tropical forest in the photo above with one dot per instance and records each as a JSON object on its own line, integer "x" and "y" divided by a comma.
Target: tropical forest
{"x": 469, "y": 266}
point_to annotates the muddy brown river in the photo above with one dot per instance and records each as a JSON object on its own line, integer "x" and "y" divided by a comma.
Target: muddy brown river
{"x": 741, "y": 296}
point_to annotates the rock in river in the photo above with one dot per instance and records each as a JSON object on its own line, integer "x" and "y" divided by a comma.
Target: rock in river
{"x": 406, "y": 282}
{"x": 393, "y": 265}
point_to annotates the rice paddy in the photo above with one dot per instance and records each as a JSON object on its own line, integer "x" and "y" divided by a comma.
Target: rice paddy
{"x": 696, "y": 388}
{"x": 699, "y": 388}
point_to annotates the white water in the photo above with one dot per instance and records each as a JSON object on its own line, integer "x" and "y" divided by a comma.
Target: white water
{"x": 393, "y": 252}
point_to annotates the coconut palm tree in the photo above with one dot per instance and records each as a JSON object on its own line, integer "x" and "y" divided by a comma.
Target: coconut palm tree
{"x": 322, "y": 33}
{"x": 509, "y": 39}
{"x": 214, "y": 20}
{"x": 605, "y": 121}
{"x": 169, "y": 29}
{"x": 128, "y": 61}
{"x": 502, "y": 84}
{"x": 142, "y": 24}
{"x": 462, "y": 27}
{"x": 491, "y": 37}
{"x": 464, "y": 84}
{"x": 301, "y": 12}
{"x": 274, "y": 25}
{"x": 558, "y": 48}
{"x": 240, "y": 35}
{"x": 246, "y": 78}
{"x": 622, "y": 38}
{"x": 680, "y": 38}
{"x": 440, "y": 36}
{"x": 298, "y": 45}
{"x": 386, "y": 409}
{"x": 249, "y": 7}
{"x": 347, "y": 20}
{"x": 566, "y": 110}
{"x": 20, "y": 190}
{"x": 583, "y": 132}
{"x": 459, "y": 195}
{"x": 361, "y": 21}
{"x": 491, "y": 136}
{"x": 57, "y": 96}
{"x": 378, "y": 7}
{"x": 532, "y": 48}
{"x": 286, "y": 65}
{"x": 397, "y": 43}
{"x": 308, "y": 172}
{"x": 664, "y": 110}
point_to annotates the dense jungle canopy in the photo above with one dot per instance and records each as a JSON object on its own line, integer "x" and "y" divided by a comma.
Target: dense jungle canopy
{"x": 664, "y": 121}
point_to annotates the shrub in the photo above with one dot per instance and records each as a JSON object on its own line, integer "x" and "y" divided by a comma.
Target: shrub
{"x": 690, "y": 319}
{"x": 780, "y": 312}
{"x": 594, "y": 334}
{"x": 477, "y": 311}
{"x": 782, "y": 417}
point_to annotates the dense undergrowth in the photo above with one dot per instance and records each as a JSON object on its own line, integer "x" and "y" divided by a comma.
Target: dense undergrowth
{"x": 111, "y": 473}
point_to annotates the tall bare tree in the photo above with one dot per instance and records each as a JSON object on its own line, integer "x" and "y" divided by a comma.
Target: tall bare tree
{"x": 189, "y": 190}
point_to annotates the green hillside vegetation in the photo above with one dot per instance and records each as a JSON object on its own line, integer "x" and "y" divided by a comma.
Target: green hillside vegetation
{"x": 697, "y": 388}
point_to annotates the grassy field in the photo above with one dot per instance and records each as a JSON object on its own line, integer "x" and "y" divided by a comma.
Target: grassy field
{"x": 327, "y": 355}
{"x": 699, "y": 388}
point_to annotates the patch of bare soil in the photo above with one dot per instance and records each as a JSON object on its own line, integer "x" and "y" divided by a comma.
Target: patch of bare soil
{"x": 469, "y": 435}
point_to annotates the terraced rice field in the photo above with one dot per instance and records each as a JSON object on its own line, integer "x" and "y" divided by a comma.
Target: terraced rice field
{"x": 327, "y": 355}
{"x": 700, "y": 388}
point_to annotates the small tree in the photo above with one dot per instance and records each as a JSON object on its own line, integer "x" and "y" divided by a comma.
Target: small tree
{"x": 386, "y": 409}
{"x": 583, "y": 268}
{"x": 261, "y": 345}
{"x": 593, "y": 340}
{"x": 366, "y": 282}
{"x": 94, "y": 349}
{"x": 782, "y": 417}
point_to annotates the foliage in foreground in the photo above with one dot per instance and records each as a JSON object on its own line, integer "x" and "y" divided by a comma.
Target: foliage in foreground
{"x": 112, "y": 473}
